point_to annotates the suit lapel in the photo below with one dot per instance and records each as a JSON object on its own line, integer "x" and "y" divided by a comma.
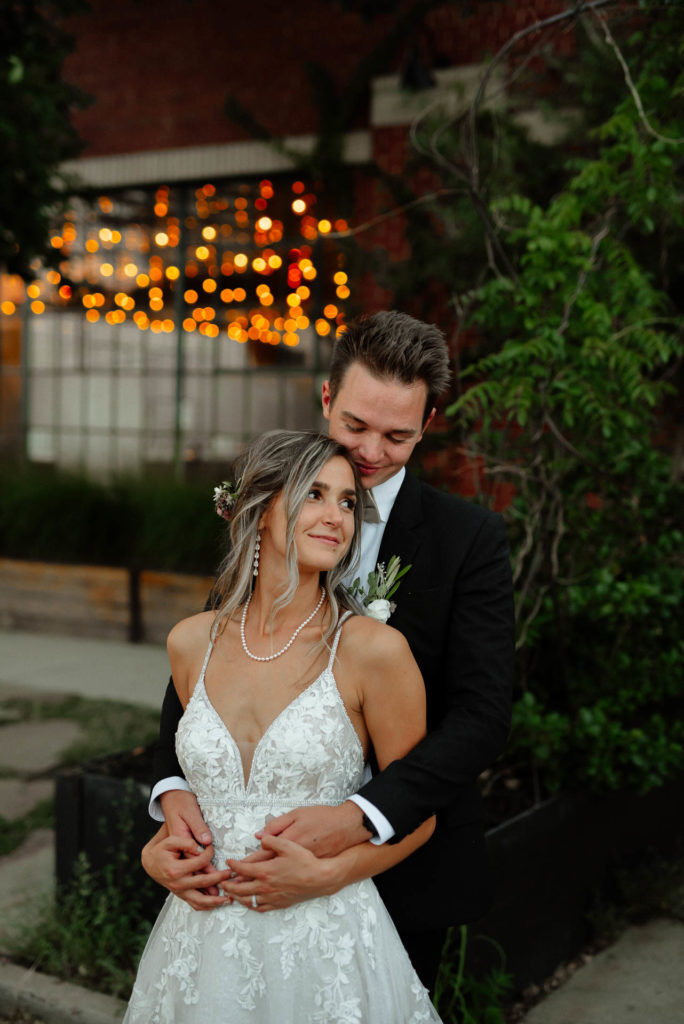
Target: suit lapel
{"x": 402, "y": 533}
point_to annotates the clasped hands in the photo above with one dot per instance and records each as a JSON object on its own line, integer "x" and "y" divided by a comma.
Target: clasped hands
{"x": 298, "y": 858}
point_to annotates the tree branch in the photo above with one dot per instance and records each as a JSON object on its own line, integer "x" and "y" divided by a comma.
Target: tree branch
{"x": 632, "y": 87}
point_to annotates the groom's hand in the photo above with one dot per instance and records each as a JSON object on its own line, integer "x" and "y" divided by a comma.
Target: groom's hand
{"x": 325, "y": 831}
{"x": 183, "y": 816}
{"x": 289, "y": 875}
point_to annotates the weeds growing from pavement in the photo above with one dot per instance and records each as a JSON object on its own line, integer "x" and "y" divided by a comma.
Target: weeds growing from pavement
{"x": 107, "y": 726}
{"x": 95, "y": 930}
{"x": 461, "y": 998}
{"x": 14, "y": 832}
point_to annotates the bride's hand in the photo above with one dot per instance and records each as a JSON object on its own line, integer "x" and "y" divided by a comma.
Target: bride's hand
{"x": 288, "y": 875}
{"x": 183, "y": 816}
{"x": 184, "y": 867}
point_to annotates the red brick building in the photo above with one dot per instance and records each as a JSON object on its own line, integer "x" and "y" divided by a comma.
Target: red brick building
{"x": 202, "y": 279}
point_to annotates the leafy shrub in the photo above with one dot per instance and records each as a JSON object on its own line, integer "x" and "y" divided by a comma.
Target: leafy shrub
{"x": 583, "y": 345}
{"x": 152, "y": 524}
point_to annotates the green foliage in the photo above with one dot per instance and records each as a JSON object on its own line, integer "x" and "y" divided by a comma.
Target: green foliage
{"x": 581, "y": 342}
{"x": 107, "y": 726}
{"x": 152, "y": 524}
{"x": 95, "y": 933}
{"x": 462, "y": 998}
{"x": 36, "y": 135}
{"x": 14, "y": 831}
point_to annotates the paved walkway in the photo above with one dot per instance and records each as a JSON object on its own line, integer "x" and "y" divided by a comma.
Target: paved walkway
{"x": 91, "y": 668}
{"x": 638, "y": 980}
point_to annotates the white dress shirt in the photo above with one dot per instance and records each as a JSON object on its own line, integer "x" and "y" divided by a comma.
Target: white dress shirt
{"x": 371, "y": 538}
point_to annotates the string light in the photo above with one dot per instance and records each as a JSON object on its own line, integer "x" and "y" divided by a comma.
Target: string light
{"x": 139, "y": 260}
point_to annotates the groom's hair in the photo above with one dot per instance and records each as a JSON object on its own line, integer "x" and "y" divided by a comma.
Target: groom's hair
{"x": 393, "y": 346}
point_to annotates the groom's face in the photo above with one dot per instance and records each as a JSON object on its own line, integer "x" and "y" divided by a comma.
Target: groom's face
{"x": 378, "y": 420}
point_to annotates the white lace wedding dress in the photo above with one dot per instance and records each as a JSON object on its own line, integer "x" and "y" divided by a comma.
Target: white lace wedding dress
{"x": 330, "y": 960}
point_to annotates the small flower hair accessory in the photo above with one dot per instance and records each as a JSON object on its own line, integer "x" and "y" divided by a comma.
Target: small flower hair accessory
{"x": 381, "y": 585}
{"x": 225, "y": 497}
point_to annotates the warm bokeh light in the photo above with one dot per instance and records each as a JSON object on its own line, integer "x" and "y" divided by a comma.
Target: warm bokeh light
{"x": 145, "y": 264}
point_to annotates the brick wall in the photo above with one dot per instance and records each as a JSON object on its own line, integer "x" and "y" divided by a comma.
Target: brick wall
{"x": 159, "y": 72}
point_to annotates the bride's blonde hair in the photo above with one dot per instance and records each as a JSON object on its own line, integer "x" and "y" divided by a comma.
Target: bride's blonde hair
{"x": 283, "y": 462}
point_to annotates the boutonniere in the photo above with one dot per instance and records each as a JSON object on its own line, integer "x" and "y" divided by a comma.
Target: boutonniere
{"x": 382, "y": 583}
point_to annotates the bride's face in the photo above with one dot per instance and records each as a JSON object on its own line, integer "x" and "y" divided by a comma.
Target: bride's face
{"x": 325, "y": 526}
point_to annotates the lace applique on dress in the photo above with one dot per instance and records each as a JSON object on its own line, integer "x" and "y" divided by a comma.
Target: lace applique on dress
{"x": 331, "y": 960}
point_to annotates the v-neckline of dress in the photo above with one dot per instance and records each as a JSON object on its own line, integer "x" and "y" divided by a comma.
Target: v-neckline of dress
{"x": 307, "y": 689}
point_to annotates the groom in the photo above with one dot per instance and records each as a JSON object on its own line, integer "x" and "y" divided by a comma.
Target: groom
{"x": 454, "y": 607}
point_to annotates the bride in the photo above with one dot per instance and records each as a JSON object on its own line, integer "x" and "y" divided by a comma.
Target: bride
{"x": 284, "y": 692}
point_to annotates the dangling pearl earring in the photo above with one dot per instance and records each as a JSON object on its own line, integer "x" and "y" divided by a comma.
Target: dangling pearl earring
{"x": 256, "y": 555}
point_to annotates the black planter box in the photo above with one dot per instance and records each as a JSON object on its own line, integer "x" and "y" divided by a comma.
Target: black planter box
{"x": 101, "y": 811}
{"x": 550, "y": 864}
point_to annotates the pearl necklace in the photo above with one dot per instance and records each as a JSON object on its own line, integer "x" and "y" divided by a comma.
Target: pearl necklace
{"x": 270, "y": 657}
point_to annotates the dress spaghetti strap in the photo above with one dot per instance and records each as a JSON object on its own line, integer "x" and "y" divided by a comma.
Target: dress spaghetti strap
{"x": 336, "y": 639}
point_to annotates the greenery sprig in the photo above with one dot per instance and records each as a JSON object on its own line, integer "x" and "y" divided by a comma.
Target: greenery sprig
{"x": 381, "y": 583}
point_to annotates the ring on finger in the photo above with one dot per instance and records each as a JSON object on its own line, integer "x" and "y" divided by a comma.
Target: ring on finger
{"x": 255, "y": 902}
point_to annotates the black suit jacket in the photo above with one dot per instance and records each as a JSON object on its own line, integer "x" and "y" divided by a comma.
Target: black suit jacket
{"x": 455, "y": 608}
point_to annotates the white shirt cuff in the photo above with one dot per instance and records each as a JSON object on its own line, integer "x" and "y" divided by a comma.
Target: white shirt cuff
{"x": 163, "y": 786}
{"x": 384, "y": 829}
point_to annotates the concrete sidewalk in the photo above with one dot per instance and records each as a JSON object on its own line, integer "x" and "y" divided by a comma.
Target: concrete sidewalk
{"x": 103, "y": 669}
{"x": 637, "y": 980}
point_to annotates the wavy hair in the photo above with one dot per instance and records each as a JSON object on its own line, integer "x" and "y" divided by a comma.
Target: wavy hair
{"x": 393, "y": 346}
{"x": 283, "y": 462}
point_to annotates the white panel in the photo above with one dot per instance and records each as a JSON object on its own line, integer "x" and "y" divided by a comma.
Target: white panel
{"x": 454, "y": 90}
{"x": 41, "y": 445}
{"x": 230, "y": 160}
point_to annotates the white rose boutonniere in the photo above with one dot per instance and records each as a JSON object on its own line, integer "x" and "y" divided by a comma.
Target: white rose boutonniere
{"x": 380, "y": 609}
{"x": 380, "y": 586}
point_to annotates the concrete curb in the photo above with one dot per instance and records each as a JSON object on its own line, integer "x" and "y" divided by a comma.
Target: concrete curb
{"x": 53, "y": 1001}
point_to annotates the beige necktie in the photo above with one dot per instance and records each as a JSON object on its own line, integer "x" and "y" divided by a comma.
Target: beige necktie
{"x": 370, "y": 509}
